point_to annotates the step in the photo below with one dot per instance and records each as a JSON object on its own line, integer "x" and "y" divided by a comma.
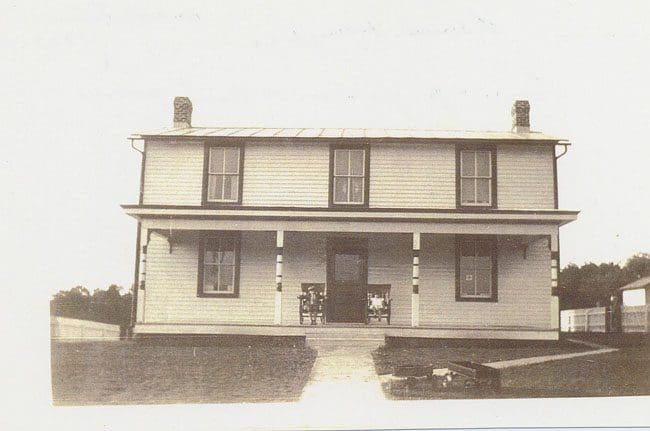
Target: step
{"x": 333, "y": 343}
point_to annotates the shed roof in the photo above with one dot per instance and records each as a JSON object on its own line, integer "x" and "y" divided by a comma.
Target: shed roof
{"x": 347, "y": 133}
{"x": 638, "y": 284}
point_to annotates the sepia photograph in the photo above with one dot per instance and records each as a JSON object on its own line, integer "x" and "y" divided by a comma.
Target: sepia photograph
{"x": 327, "y": 215}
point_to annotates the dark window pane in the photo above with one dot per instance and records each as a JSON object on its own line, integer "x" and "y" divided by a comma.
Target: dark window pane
{"x": 467, "y": 282}
{"x": 347, "y": 267}
{"x": 467, "y": 190}
{"x": 483, "y": 282}
{"x": 341, "y": 189}
{"x": 210, "y": 278}
{"x": 483, "y": 163}
{"x": 341, "y": 162}
{"x": 232, "y": 160}
{"x": 483, "y": 248}
{"x": 231, "y": 184}
{"x": 216, "y": 161}
{"x": 356, "y": 162}
{"x": 356, "y": 189}
{"x": 215, "y": 187}
{"x": 483, "y": 191}
{"x": 467, "y": 248}
{"x": 226, "y": 278}
{"x": 467, "y": 163}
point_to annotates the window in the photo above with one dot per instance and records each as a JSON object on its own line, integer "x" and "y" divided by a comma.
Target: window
{"x": 349, "y": 176}
{"x": 219, "y": 266}
{"x": 223, "y": 174}
{"x": 476, "y": 269}
{"x": 477, "y": 175}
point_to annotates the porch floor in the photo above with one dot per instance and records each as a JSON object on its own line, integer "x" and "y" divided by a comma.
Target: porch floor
{"x": 353, "y": 331}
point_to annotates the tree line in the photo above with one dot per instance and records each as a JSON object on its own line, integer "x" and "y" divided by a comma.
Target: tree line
{"x": 103, "y": 305}
{"x": 592, "y": 285}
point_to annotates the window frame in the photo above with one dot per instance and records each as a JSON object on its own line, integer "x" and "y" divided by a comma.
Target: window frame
{"x": 206, "y": 174}
{"x": 205, "y": 236}
{"x": 366, "y": 175}
{"x": 493, "y": 177}
{"x": 494, "y": 294}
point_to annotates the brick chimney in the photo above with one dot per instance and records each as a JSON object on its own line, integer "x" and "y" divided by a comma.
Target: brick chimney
{"x": 182, "y": 112}
{"x": 521, "y": 116}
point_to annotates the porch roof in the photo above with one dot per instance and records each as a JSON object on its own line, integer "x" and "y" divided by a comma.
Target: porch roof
{"x": 369, "y": 220}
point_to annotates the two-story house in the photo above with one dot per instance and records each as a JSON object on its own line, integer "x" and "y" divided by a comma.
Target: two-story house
{"x": 462, "y": 228}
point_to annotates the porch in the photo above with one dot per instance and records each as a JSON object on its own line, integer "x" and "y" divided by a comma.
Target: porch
{"x": 417, "y": 261}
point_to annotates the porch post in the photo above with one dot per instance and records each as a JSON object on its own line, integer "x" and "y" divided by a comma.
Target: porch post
{"x": 142, "y": 276}
{"x": 415, "y": 296}
{"x": 555, "y": 260}
{"x": 279, "y": 239}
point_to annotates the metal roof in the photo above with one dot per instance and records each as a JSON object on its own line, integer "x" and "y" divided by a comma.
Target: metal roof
{"x": 638, "y": 284}
{"x": 329, "y": 133}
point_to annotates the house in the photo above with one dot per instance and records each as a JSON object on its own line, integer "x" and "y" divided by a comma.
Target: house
{"x": 635, "y": 308}
{"x": 459, "y": 228}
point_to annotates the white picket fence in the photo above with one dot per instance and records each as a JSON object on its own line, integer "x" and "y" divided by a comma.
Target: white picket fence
{"x": 584, "y": 320}
{"x": 634, "y": 319}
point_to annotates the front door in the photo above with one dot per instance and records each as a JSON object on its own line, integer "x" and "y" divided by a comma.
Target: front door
{"x": 347, "y": 280}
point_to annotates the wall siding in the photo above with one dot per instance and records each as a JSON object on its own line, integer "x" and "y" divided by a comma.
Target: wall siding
{"x": 525, "y": 177}
{"x": 297, "y": 175}
{"x": 524, "y": 287}
{"x": 305, "y": 261}
{"x": 173, "y": 173}
{"x": 286, "y": 175}
{"x": 412, "y": 176}
{"x": 390, "y": 262}
{"x": 171, "y": 288}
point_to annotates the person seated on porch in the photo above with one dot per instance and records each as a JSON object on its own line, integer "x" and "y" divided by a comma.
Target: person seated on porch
{"x": 314, "y": 300}
{"x": 377, "y": 305}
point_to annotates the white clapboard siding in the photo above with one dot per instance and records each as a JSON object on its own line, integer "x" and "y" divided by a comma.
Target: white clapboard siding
{"x": 171, "y": 288}
{"x": 286, "y": 175}
{"x": 305, "y": 261}
{"x": 524, "y": 287}
{"x": 173, "y": 173}
{"x": 412, "y": 176}
{"x": 390, "y": 262}
{"x": 525, "y": 177}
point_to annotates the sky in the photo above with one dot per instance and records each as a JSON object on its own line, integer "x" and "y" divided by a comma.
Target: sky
{"x": 79, "y": 77}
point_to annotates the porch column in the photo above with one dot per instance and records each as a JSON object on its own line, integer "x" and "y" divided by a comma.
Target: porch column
{"x": 142, "y": 276}
{"x": 555, "y": 260}
{"x": 415, "y": 296}
{"x": 279, "y": 239}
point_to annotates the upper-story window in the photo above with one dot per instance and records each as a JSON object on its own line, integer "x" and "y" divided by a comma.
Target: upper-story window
{"x": 223, "y": 174}
{"x": 477, "y": 182}
{"x": 349, "y": 176}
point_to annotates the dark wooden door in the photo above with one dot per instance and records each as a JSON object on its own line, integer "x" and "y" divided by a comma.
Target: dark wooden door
{"x": 347, "y": 275}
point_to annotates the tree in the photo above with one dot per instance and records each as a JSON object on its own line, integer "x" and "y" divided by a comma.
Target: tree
{"x": 591, "y": 285}
{"x": 107, "y": 306}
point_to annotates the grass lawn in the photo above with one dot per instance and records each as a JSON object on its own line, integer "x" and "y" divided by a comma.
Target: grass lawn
{"x": 626, "y": 372}
{"x": 125, "y": 372}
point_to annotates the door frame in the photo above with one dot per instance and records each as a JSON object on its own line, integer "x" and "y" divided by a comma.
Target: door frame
{"x": 353, "y": 245}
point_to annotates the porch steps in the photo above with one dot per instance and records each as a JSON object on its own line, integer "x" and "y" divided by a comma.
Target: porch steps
{"x": 353, "y": 337}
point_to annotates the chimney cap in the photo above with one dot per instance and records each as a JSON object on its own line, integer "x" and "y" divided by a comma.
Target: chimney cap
{"x": 182, "y": 112}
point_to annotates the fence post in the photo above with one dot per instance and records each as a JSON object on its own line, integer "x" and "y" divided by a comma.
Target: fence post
{"x": 586, "y": 320}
